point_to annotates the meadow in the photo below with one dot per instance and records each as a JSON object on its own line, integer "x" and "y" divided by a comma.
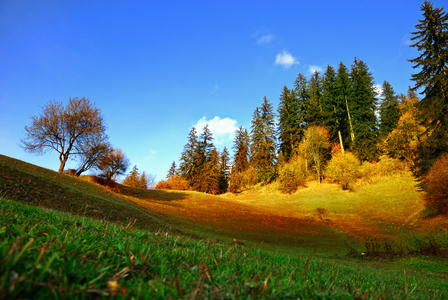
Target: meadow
{"x": 66, "y": 237}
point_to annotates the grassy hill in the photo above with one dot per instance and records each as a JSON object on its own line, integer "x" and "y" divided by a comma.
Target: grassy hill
{"x": 180, "y": 244}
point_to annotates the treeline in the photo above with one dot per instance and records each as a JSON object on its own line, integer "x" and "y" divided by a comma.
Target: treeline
{"x": 338, "y": 119}
{"x": 336, "y": 109}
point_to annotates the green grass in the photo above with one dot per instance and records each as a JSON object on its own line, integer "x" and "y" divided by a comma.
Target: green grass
{"x": 48, "y": 254}
{"x": 65, "y": 237}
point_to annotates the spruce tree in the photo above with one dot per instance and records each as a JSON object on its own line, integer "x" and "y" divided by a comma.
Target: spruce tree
{"x": 389, "y": 110}
{"x": 202, "y": 160}
{"x": 241, "y": 146}
{"x": 172, "y": 171}
{"x": 341, "y": 107}
{"x": 224, "y": 172}
{"x": 431, "y": 40}
{"x": 188, "y": 163}
{"x": 302, "y": 95}
{"x": 332, "y": 120}
{"x": 288, "y": 124}
{"x": 362, "y": 105}
{"x": 314, "y": 109}
{"x": 263, "y": 140}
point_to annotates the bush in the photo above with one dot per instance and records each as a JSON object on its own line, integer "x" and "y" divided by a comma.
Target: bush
{"x": 241, "y": 180}
{"x": 384, "y": 167}
{"x": 292, "y": 175}
{"x": 173, "y": 183}
{"x": 343, "y": 168}
{"x": 436, "y": 185}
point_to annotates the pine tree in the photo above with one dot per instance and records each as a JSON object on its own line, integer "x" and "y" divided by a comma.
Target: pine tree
{"x": 362, "y": 105}
{"x": 288, "y": 124}
{"x": 303, "y": 97}
{"x": 132, "y": 178}
{"x": 172, "y": 171}
{"x": 263, "y": 140}
{"x": 431, "y": 40}
{"x": 224, "y": 173}
{"x": 241, "y": 146}
{"x": 389, "y": 110}
{"x": 314, "y": 110}
{"x": 187, "y": 167}
{"x": 334, "y": 113}
{"x": 202, "y": 158}
{"x": 341, "y": 107}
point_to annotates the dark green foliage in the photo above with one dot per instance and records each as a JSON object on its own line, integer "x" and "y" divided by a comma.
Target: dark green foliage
{"x": 431, "y": 40}
{"x": 362, "y": 104}
{"x": 389, "y": 110}
{"x": 187, "y": 168}
{"x": 314, "y": 111}
{"x": 289, "y": 124}
{"x": 334, "y": 113}
{"x": 224, "y": 172}
{"x": 342, "y": 93}
{"x": 263, "y": 138}
{"x": 241, "y": 146}
{"x": 172, "y": 171}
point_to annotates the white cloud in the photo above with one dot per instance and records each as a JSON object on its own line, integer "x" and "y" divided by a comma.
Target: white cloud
{"x": 265, "y": 39}
{"x": 378, "y": 90}
{"x": 223, "y": 130}
{"x": 313, "y": 69}
{"x": 286, "y": 60}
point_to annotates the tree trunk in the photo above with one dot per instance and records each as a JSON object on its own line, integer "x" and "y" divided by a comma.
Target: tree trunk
{"x": 340, "y": 141}
{"x": 352, "y": 134}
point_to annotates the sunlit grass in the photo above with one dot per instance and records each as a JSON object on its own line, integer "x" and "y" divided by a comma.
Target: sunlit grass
{"x": 47, "y": 254}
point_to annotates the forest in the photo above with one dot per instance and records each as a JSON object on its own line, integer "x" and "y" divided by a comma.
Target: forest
{"x": 325, "y": 127}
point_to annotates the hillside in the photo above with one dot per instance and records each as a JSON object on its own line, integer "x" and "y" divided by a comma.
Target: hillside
{"x": 322, "y": 217}
{"x": 195, "y": 245}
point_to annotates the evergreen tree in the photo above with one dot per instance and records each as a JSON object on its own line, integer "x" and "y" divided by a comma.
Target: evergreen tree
{"x": 224, "y": 173}
{"x": 132, "y": 178}
{"x": 334, "y": 112}
{"x": 172, "y": 171}
{"x": 188, "y": 164}
{"x": 431, "y": 40}
{"x": 202, "y": 160}
{"x": 303, "y": 98}
{"x": 241, "y": 146}
{"x": 362, "y": 105}
{"x": 288, "y": 125}
{"x": 341, "y": 107}
{"x": 389, "y": 110}
{"x": 263, "y": 140}
{"x": 314, "y": 110}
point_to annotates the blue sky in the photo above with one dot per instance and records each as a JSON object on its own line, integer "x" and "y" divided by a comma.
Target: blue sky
{"x": 158, "y": 68}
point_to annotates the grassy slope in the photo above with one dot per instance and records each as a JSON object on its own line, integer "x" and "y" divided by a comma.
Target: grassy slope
{"x": 286, "y": 223}
{"x": 48, "y": 254}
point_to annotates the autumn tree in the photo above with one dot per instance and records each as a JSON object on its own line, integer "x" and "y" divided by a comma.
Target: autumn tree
{"x": 431, "y": 40}
{"x": 65, "y": 129}
{"x": 92, "y": 151}
{"x": 113, "y": 164}
{"x": 315, "y": 147}
{"x": 135, "y": 179}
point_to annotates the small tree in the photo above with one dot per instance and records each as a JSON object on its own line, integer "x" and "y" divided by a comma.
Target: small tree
{"x": 436, "y": 185}
{"x": 343, "y": 168}
{"x": 114, "y": 164}
{"x": 92, "y": 152}
{"x": 292, "y": 175}
{"x": 66, "y": 130}
{"x": 315, "y": 147}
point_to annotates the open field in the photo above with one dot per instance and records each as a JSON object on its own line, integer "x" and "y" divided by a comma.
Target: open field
{"x": 313, "y": 226}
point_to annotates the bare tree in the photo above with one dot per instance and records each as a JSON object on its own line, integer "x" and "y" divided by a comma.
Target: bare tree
{"x": 64, "y": 129}
{"x": 113, "y": 164}
{"x": 92, "y": 152}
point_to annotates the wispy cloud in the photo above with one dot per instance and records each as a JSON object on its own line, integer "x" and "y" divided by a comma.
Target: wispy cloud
{"x": 265, "y": 39}
{"x": 215, "y": 90}
{"x": 223, "y": 130}
{"x": 314, "y": 69}
{"x": 286, "y": 60}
